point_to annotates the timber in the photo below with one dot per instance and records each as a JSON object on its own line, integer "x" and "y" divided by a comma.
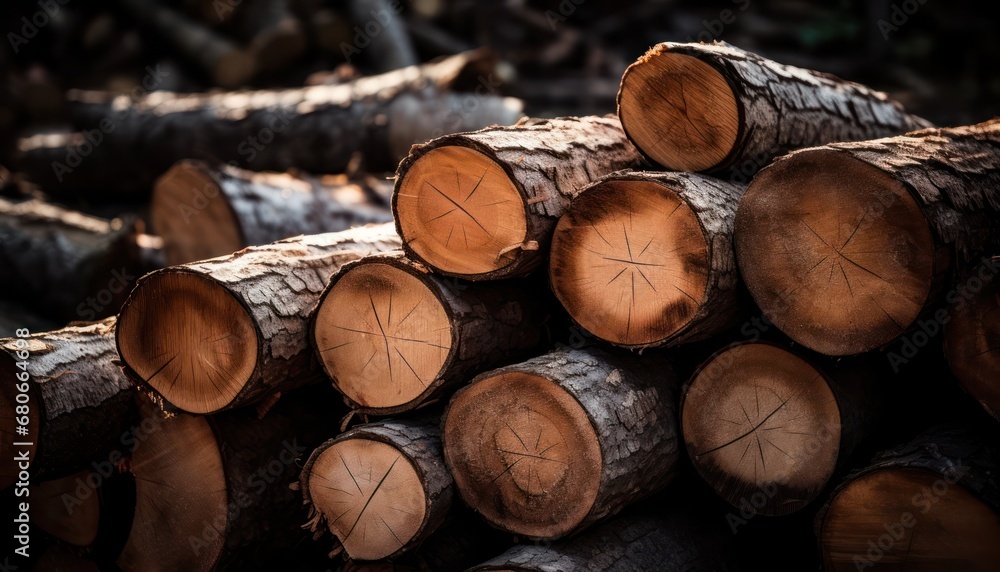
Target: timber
{"x": 972, "y": 334}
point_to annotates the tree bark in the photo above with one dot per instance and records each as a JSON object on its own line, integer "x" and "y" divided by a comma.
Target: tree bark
{"x": 249, "y": 339}
{"x": 446, "y": 331}
{"x": 910, "y": 210}
{"x": 530, "y": 172}
{"x": 797, "y": 422}
{"x": 935, "y": 499}
{"x": 714, "y": 107}
{"x": 79, "y": 404}
{"x": 549, "y": 446}
{"x": 327, "y": 483}
{"x": 56, "y": 258}
{"x": 202, "y": 211}
{"x": 679, "y": 242}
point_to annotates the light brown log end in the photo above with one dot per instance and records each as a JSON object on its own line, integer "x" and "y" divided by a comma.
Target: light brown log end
{"x": 762, "y": 427}
{"x": 972, "y": 339}
{"x": 383, "y": 335}
{"x": 370, "y": 496}
{"x": 915, "y": 519}
{"x": 460, "y": 212}
{"x": 524, "y": 454}
{"x": 836, "y": 253}
{"x": 189, "y": 339}
{"x": 629, "y": 262}
{"x": 679, "y": 110}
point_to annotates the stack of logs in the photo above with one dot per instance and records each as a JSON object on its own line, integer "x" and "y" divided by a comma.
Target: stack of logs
{"x": 772, "y": 315}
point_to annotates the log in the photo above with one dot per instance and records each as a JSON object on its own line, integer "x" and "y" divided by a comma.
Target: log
{"x": 203, "y": 211}
{"x": 401, "y": 458}
{"x": 972, "y": 334}
{"x": 715, "y": 107}
{"x": 844, "y": 246}
{"x": 392, "y": 335}
{"x": 59, "y": 259}
{"x": 483, "y": 205}
{"x": 928, "y": 504}
{"x": 248, "y": 339}
{"x": 667, "y": 276}
{"x": 677, "y": 540}
{"x": 273, "y": 36}
{"x": 602, "y": 431}
{"x": 79, "y": 401}
{"x": 388, "y": 49}
{"x": 767, "y": 429}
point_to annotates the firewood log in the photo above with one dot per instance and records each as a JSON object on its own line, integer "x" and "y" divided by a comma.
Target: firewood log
{"x": 225, "y": 332}
{"x": 392, "y": 335}
{"x": 972, "y": 333}
{"x": 712, "y": 107}
{"x": 483, "y": 205}
{"x": 549, "y": 446}
{"x": 844, "y": 246}
{"x": 645, "y": 259}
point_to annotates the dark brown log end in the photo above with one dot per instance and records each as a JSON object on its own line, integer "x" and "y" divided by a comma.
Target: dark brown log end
{"x": 523, "y": 453}
{"x": 758, "y": 419}
{"x": 189, "y": 339}
{"x": 679, "y": 110}
{"x": 58, "y": 509}
{"x": 629, "y": 262}
{"x": 836, "y": 253}
{"x": 383, "y": 335}
{"x": 972, "y": 338}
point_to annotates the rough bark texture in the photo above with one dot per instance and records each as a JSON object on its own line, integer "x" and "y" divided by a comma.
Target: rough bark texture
{"x": 549, "y": 161}
{"x": 279, "y": 284}
{"x": 492, "y": 324}
{"x": 56, "y": 258}
{"x": 419, "y": 440}
{"x": 630, "y": 543}
{"x": 784, "y": 107}
{"x": 83, "y": 400}
{"x": 632, "y": 406}
{"x": 264, "y": 209}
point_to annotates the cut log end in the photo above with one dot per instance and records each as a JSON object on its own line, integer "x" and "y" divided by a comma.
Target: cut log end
{"x": 189, "y": 207}
{"x": 524, "y": 454}
{"x": 198, "y": 360}
{"x": 60, "y": 511}
{"x": 835, "y": 252}
{"x": 679, "y": 110}
{"x": 370, "y": 496}
{"x": 917, "y": 520}
{"x": 757, "y": 418}
{"x": 8, "y": 421}
{"x": 972, "y": 343}
{"x": 460, "y": 212}
{"x": 383, "y": 335}
{"x": 629, "y": 262}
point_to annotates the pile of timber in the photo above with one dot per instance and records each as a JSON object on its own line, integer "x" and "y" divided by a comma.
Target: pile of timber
{"x": 744, "y": 339}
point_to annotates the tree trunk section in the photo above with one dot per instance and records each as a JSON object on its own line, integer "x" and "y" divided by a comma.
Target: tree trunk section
{"x": 401, "y": 458}
{"x": 668, "y": 278}
{"x": 203, "y": 211}
{"x": 844, "y": 246}
{"x": 929, "y": 503}
{"x": 79, "y": 404}
{"x": 701, "y": 107}
{"x": 249, "y": 339}
{"x": 767, "y": 429}
{"x": 523, "y": 179}
{"x": 549, "y": 446}
{"x": 393, "y": 336}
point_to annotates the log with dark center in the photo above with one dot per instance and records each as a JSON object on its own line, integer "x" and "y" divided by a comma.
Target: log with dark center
{"x": 79, "y": 401}
{"x": 972, "y": 334}
{"x": 380, "y": 488}
{"x": 392, "y": 336}
{"x": 202, "y": 211}
{"x": 483, "y": 205}
{"x": 844, "y": 246}
{"x": 549, "y": 446}
{"x": 645, "y": 259}
{"x": 226, "y": 332}
{"x": 931, "y": 504}
{"x": 766, "y": 429}
{"x": 711, "y": 107}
